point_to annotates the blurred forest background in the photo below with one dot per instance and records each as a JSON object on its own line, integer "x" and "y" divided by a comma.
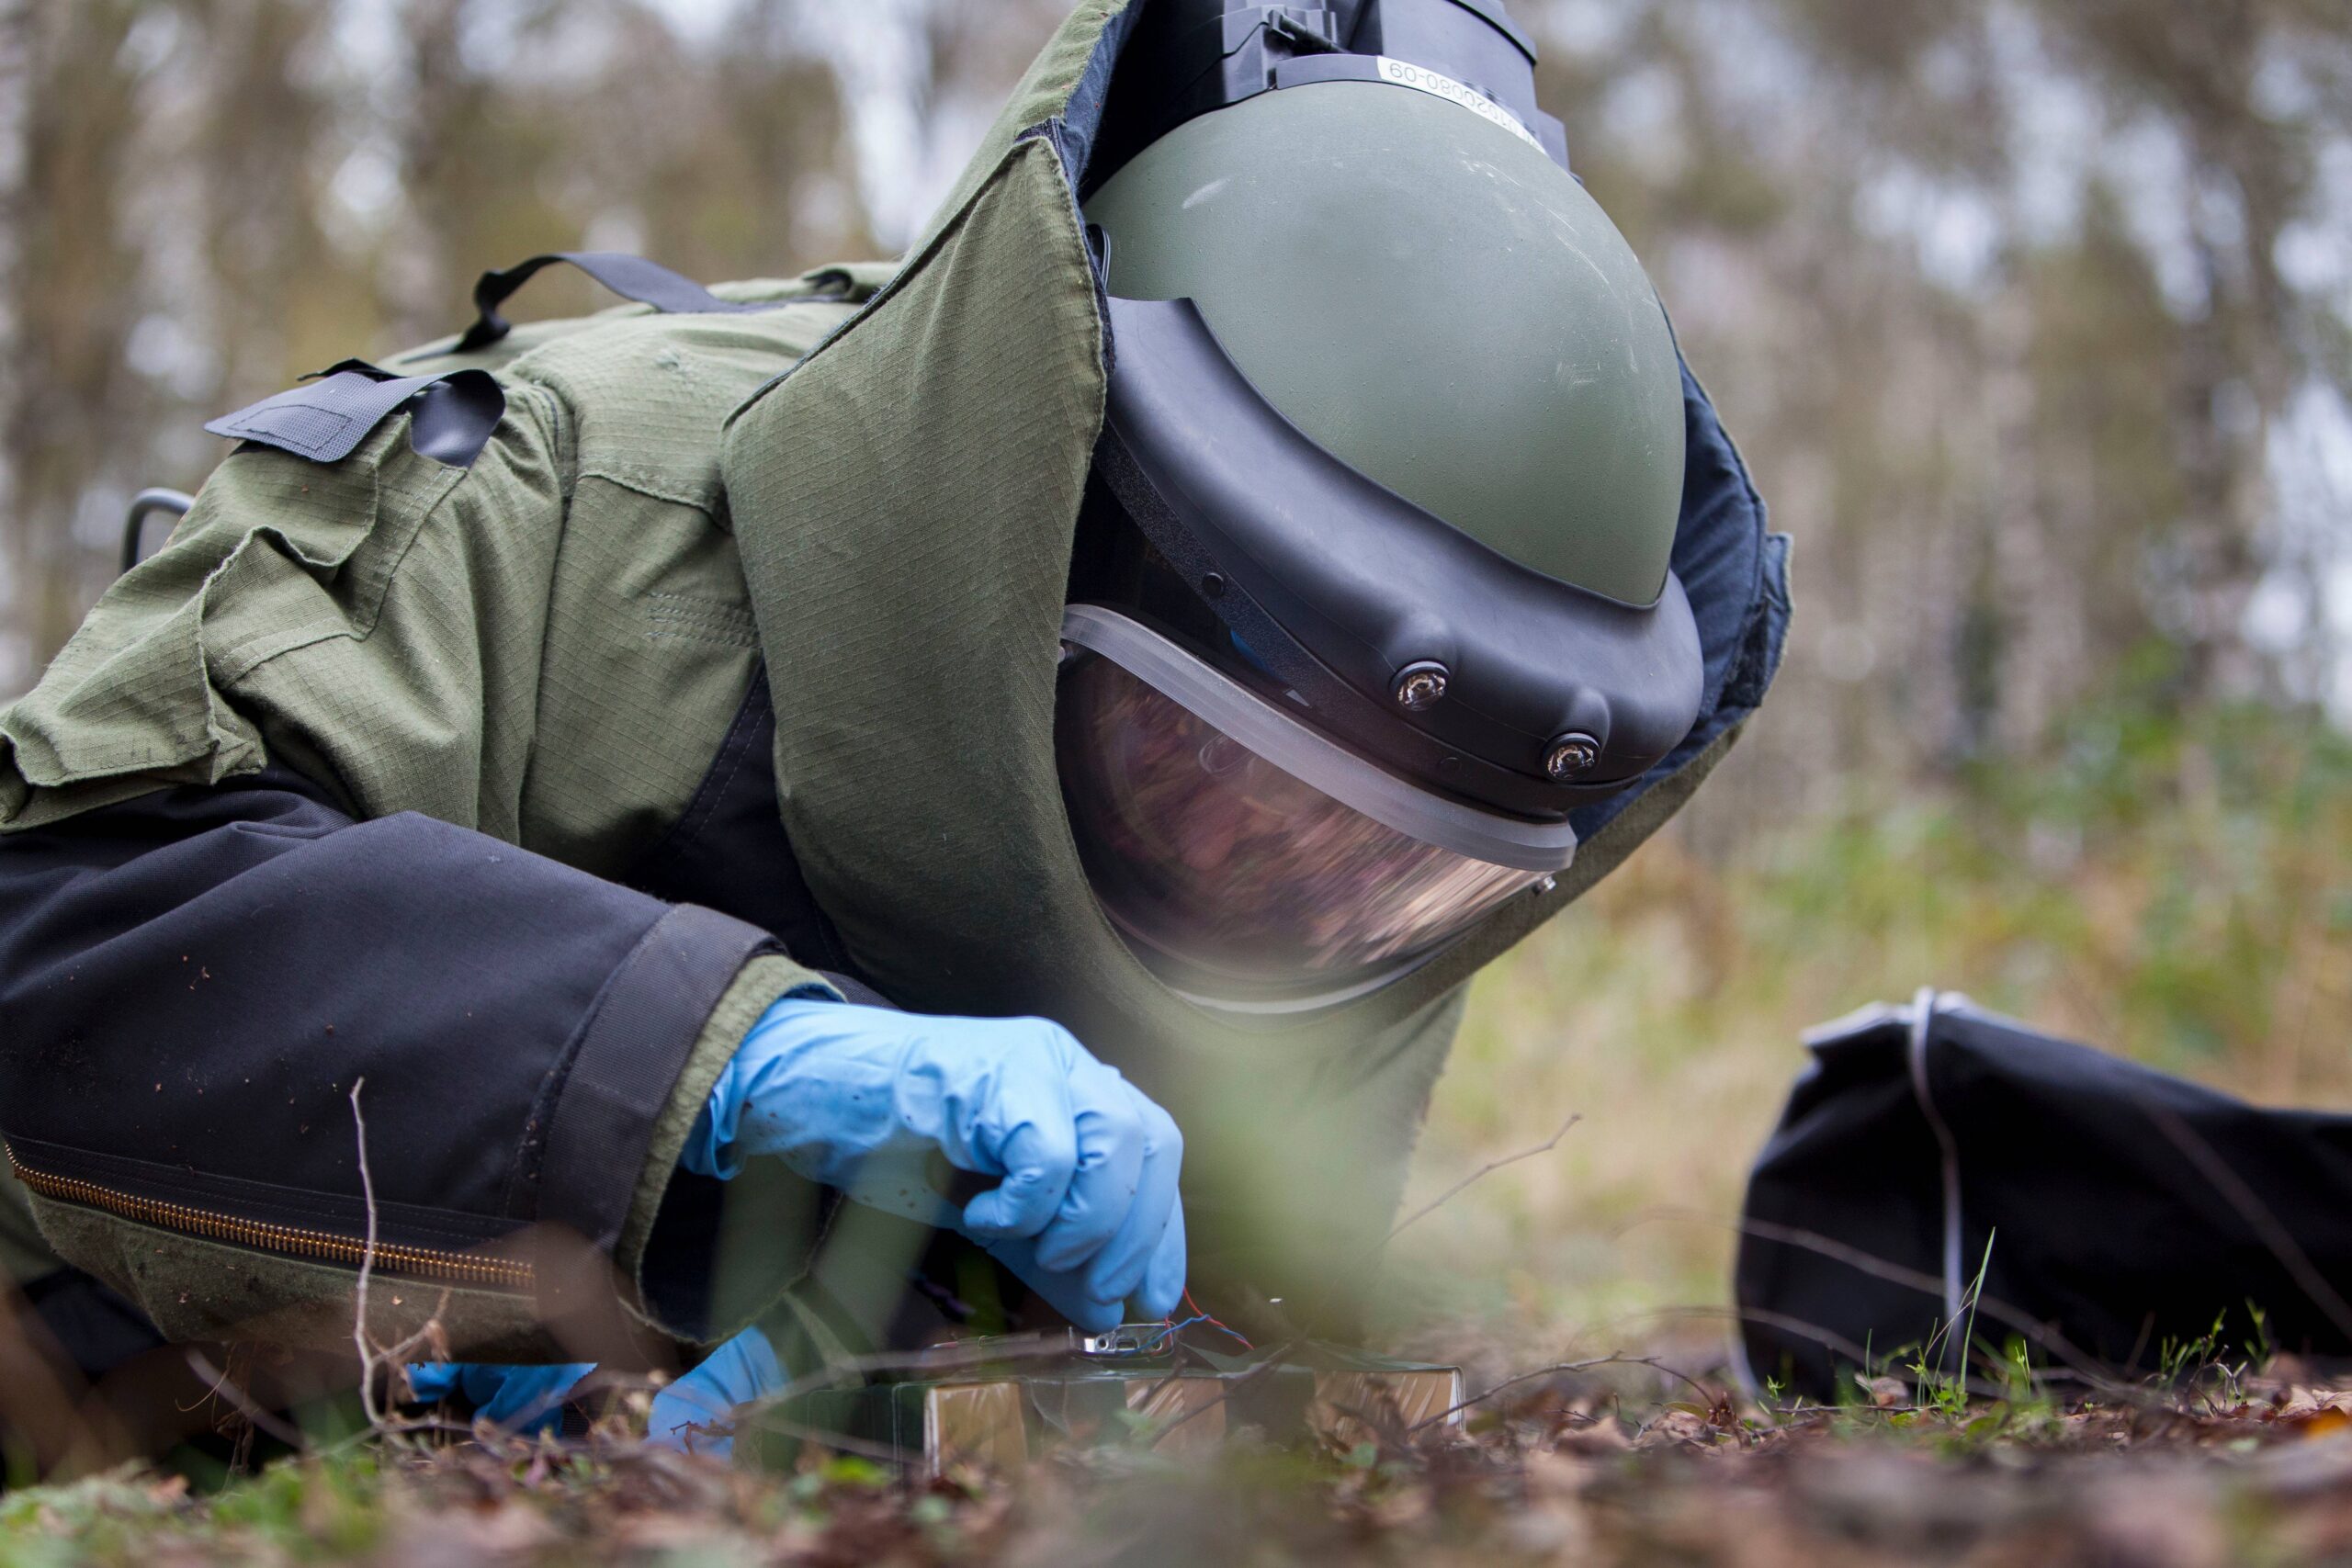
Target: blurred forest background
{"x": 2033, "y": 317}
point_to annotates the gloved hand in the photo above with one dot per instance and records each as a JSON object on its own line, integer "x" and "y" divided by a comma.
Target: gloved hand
{"x": 742, "y": 1369}
{"x": 517, "y": 1399}
{"x": 530, "y": 1399}
{"x": 1086, "y": 1208}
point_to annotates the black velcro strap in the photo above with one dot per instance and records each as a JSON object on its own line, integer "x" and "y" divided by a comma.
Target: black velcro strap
{"x": 635, "y": 1045}
{"x": 631, "y": 277}
{"x": 325, "y": 418}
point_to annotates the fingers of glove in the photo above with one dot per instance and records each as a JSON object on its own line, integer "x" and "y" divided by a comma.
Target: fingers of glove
{"x": 433, "y": 1382}
{"x": 909, "y": 1184}
{"x": 741, "y": 1371}
{"x": 1066, "y": 1294}
{"x": 1118, "y": 1271}
{"x": 1039, "y": 1160}
{"x": 1163, "y": 1280}
{"x": 532, "y": 1397}
{"x": 681, "y": 1422}
{"x": 509, "y": 1396}
{"x": 1031, "y": 1105}
{"x": 1113, "y": 1147}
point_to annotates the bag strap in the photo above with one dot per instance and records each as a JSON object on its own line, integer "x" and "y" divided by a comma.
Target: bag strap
{"x": 326, "y": 417}
{"x": 631, "y": 277}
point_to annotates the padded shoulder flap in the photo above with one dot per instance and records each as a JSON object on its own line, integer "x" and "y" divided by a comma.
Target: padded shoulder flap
{"x": 327, "y": 417}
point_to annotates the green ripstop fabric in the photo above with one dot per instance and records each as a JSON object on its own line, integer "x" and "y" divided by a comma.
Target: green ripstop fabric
{"x": 909, "y": 591}
{"x": 546, "y": 646}
{"x": 517, "y": 648}
{"x": 197, "y": 1290}
{"x": 854, "y": 282}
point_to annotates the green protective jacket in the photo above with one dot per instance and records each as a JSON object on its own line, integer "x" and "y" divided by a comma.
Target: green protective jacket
{"x": 729, "y": 659}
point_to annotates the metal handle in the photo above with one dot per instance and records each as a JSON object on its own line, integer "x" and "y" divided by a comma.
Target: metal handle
{"x": 143, "y": 505}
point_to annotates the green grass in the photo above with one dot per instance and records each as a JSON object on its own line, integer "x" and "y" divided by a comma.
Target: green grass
{"x": 2178, "y": 892}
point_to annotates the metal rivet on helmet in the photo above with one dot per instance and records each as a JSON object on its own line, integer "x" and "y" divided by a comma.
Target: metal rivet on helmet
{"x": 1421, "y": 686}
{"x": 1571, "y": 757}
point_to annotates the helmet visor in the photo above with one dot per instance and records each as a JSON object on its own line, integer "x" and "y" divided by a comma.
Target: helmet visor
{"x": 1225, "y": 868}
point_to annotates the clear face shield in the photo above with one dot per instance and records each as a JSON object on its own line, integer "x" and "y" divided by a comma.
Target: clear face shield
{"x": 1254, "y": 863}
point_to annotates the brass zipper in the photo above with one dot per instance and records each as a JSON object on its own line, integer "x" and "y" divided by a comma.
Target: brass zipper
{"x": 423, "y": 1262}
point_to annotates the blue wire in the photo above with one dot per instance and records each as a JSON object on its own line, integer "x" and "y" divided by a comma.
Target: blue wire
{"x": 1168, "y": 1332}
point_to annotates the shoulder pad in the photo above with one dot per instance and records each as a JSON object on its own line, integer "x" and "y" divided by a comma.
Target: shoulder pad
{"x": 328, "y": 416}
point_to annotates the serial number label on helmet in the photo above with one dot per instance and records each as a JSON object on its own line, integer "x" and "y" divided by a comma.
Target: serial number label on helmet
{"x": 1405, "y": 74}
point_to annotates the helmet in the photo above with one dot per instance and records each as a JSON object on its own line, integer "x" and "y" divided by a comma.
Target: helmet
{"x": 1374, "y": 584}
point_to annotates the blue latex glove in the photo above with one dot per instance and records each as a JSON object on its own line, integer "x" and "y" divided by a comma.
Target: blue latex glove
{"x": 530, "y": 1399}
{"x": 1085, "y": 1209}
{"x": 742, "y": 1369}
{"x": 515, "y": 1399}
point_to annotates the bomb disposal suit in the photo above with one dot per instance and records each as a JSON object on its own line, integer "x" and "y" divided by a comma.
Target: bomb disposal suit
{"x": 1023, "y": 745}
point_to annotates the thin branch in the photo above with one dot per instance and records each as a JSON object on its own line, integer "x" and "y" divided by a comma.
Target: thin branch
{"x": 839, "y": 1443}
{"x": 2038, "y": 1334}
{"x": 374, "y": 1358}
{"x": 359, "y": 1336}
{"x": 218, "y": 1384}
{"x": 1183, "y": 1358}
{"x": 1564, "y": 1369}
{"x": 941, "y": 1358}
{"x": 2090, "y": 1369}
{"x": 399, "y": 1429}
{"x": 1450, "y": 1193}
{"x": 430, "y": 1342}
{"x": 1711, "y": 1396}
{"x": 2250, "y": 1208}
{"x": 1830, "y": 1341}
{"x": 1273, "y": 1362}
{"x": 387, "y": 1361}
{"x": 1827, "y": 1339}
{"x": 430, "y": 1334}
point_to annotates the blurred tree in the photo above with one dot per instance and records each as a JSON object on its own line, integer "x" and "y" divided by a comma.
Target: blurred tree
{"x": 201, "y": 200}
{"x": 1993, "y": 295}
{"x": 537, "y": 126}
{"x": 74, "y": 274}
{"x": 16, "y": 68}
{"x": 1997, "y": 296}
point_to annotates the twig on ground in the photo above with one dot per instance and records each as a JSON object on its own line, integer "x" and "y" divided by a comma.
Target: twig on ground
{"x": 1563, "y": 1369}
{"x": 1273, "y": 1361}
{"x": 2041, "y": 1336}
{"x": 430, "y": 1340}
{"x": 1827, "y": 1339}
{"x": 1450, "y": 1193}
{"x": 940, "y": 1357}
{"x": 219, "y": 1385}
{"x": 1821, "y": 1336}
{"x": 403, "y": 1428}
{"x": 1177, "y": 1363}
{"x": 360, "y": 1338}
{"x": 838, "y": 1442}
{"x": 375, "y": 1359}
{"x": 2250, "y": 1208}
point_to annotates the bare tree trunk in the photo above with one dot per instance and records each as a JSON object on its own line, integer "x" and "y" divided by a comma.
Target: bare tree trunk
{"x": 17, "y": 55}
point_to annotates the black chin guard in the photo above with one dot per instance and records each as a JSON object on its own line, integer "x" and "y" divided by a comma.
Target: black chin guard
{"x": 1442, "y": 658}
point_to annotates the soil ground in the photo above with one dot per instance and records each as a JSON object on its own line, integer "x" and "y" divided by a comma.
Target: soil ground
{"x": 1617, "y": 1465}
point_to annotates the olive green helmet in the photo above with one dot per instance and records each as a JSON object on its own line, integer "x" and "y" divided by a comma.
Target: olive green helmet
{"x": 1436, "y": 303}
{"x": 1375, "y": 585}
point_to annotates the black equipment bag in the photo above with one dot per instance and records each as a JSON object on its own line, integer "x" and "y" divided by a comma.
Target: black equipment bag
{"x": 2114, "y": 1214}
